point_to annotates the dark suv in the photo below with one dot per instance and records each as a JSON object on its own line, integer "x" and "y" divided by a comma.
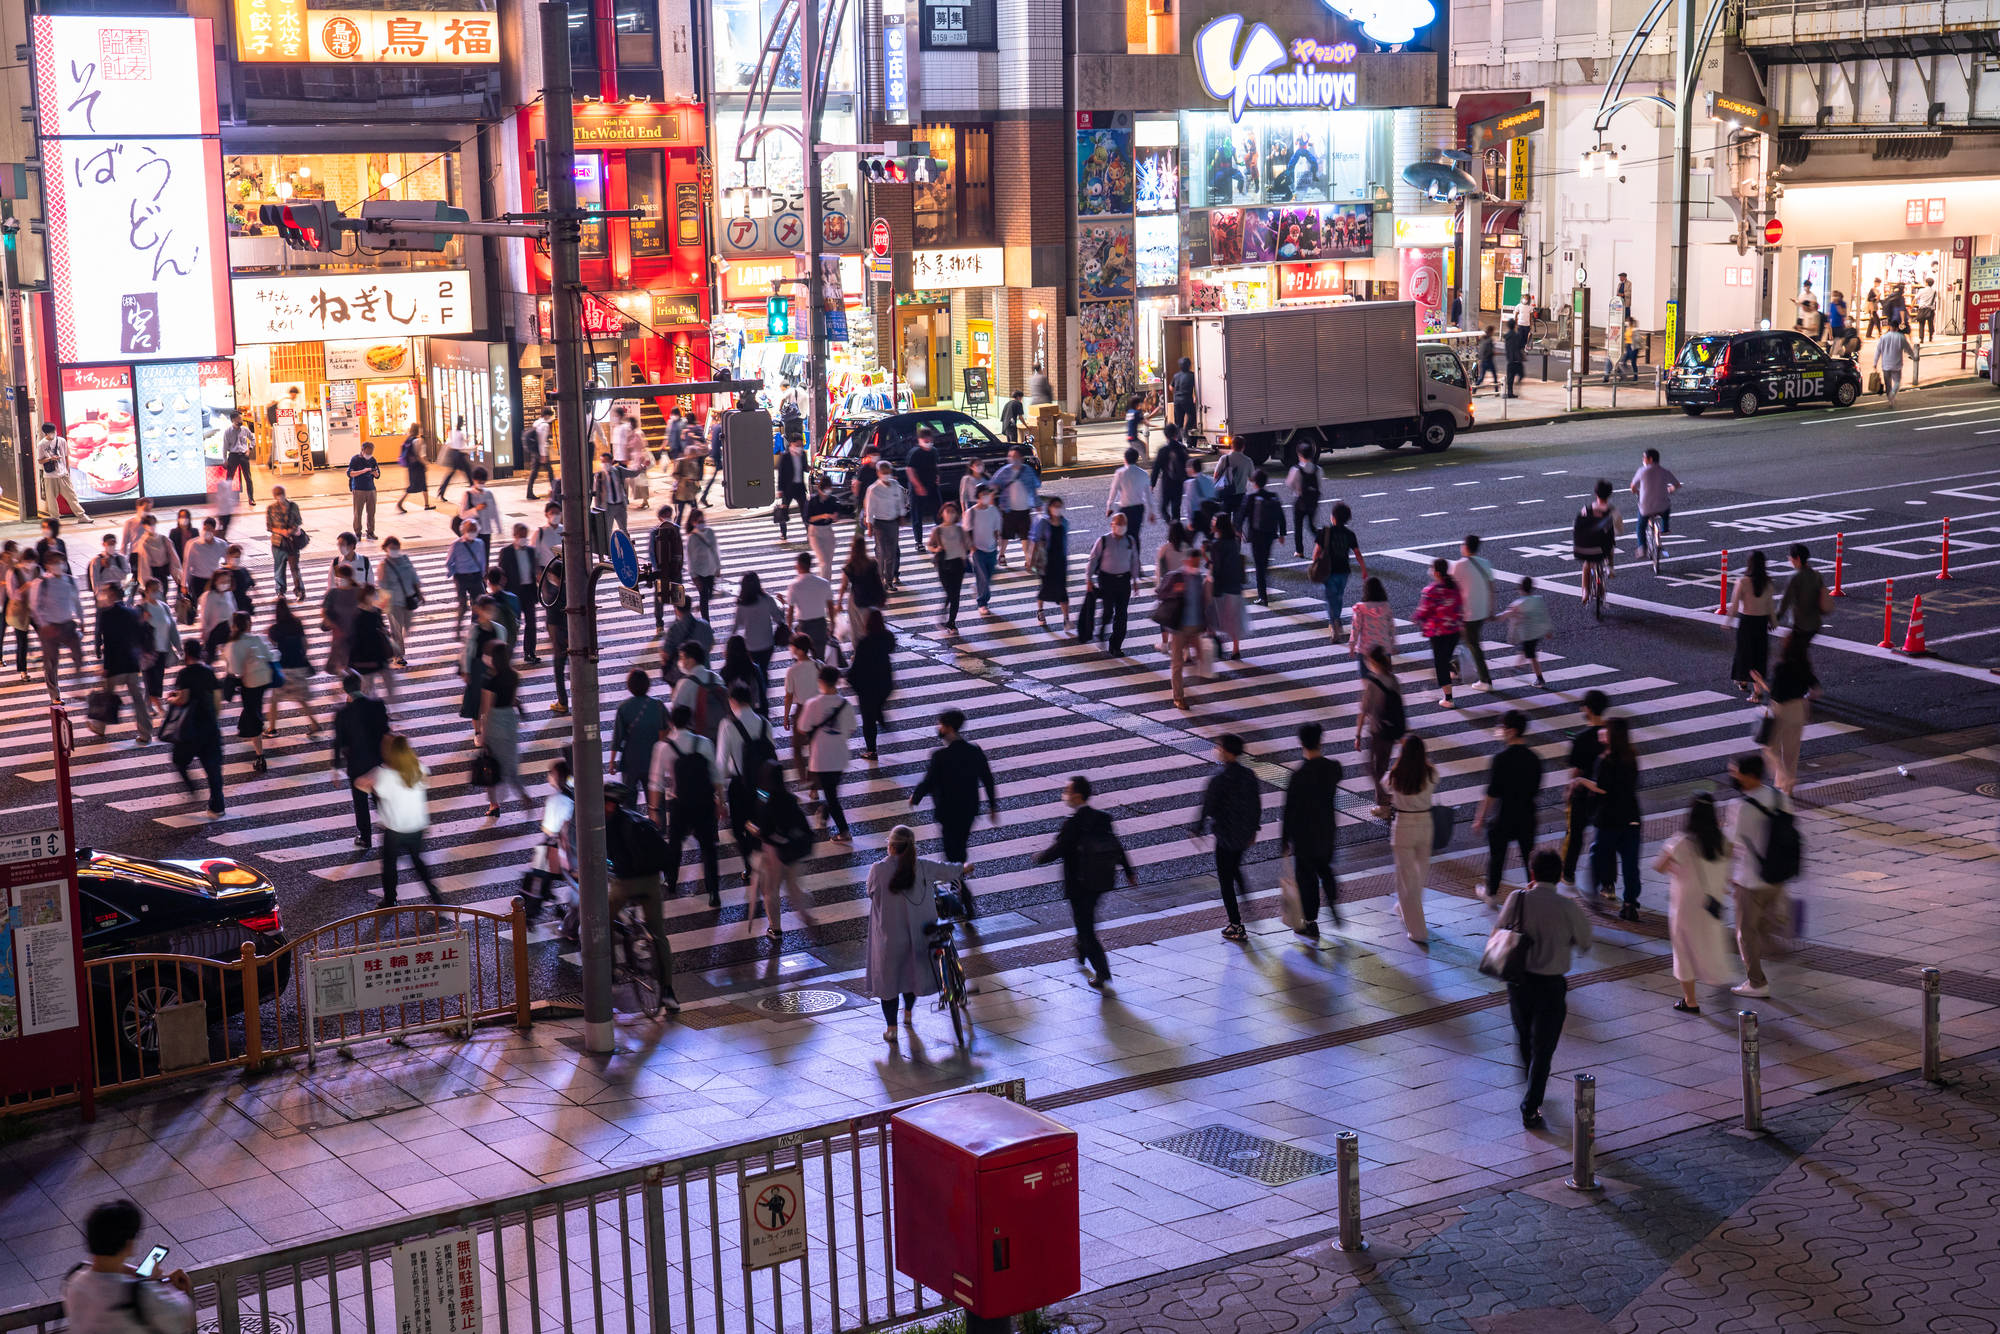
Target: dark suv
{"x": 1747, "y": 372}
{"x": 959, "y": 439}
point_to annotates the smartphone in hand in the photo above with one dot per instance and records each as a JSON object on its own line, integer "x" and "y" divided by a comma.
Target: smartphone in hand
{"x": 150, "y": 1266}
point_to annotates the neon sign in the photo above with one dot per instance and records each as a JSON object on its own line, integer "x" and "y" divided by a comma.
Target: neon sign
{"x": 1247, "y": 80}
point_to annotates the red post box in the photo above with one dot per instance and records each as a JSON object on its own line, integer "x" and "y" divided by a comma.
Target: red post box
{"x": 987, "y": 1206}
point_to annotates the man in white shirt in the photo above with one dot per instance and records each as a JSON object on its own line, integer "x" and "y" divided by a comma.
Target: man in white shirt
{"x": 801, "y": 684}
{"x": 1758, "y": 901}
{"x": 1474, "y": 578}
{"x": 202, "y": 559}
{"x": 134, "y": 527}
{"x": 362, "y": 568}
{"x": 806, "y": 602}
{"x": 52, "y": 452}
{"x": 1130, "y": 494}
{"x": 823, "y": 728}
{"x": 549, "y": 537}
{"x": 983, "y": 522}
{"x": 537, "y": 440}
{"x": 885, "y": 505}
{"x": 700, "y": 691}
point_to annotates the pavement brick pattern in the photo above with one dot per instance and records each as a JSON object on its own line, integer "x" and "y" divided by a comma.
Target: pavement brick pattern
{"x": 1856, "y": 1211}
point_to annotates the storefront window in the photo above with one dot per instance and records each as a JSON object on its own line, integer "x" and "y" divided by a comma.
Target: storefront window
{"x": 959, "y": 208}
{"x": 346, "y": 179}
{"x": 645, "y": 187}
{"x": 1277, "y": 157}
{"x": 590, "y": 194}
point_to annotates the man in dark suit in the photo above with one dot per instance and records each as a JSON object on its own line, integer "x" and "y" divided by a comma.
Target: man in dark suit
{"x": 958, "y": 769}
{"x": 359, "y": 726}
{"x": 520, "y": 572}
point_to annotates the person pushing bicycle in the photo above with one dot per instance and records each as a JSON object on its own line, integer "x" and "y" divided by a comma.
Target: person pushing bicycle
{"x": 1654, "y": 486}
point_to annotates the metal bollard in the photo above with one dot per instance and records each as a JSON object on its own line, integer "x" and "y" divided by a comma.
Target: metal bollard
{"x": 1347, "y": 1157}
{"x": 1583, "y": 1163}
{"x": 1753, "y": 1074}
{"x": 1933, "y": 997}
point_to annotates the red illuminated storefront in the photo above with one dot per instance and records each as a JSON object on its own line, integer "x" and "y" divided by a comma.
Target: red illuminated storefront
{"x": 650, "y": 310}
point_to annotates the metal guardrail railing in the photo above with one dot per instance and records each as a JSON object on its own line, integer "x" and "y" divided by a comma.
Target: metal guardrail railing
{"x": 657, "y": 1247}
{"x": 256, "y": 1005}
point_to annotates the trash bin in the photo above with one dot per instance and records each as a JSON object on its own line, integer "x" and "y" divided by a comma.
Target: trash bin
{"x": 987, "y": 1206}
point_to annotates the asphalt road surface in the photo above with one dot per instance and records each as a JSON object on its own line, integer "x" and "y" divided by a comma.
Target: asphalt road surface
{"x": 1045, "y": 706}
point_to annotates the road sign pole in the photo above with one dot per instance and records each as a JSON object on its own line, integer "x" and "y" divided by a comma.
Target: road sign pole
{"x": 587, "y": 769}
{"x": 815, "y": 322}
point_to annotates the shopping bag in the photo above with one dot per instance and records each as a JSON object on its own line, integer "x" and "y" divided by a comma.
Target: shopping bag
{"x": 1443, "y": 820}
{"x": 1505, "y": 955}
{"x": 1289, "y": 906}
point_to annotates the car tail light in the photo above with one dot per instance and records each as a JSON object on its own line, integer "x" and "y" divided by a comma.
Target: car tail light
{"x": 271, "y": 923}
{"x": 1722, "y": 366}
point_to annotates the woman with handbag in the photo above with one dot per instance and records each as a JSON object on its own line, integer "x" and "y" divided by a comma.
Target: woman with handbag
{"x": 861, "y": 588}
{"x": 21, "y": 575}
{"x": 902, "y": 902}
{"x": 1412, "y": 834}
{"x": 251, "y": 665}
{"x": 1696, "y": 864}
{"x": 1226, "y": 577}
{"x": 1440, "y": 615}
{"x": 784, "y": 839}
{"x": 193, "y": 726}
{"x": 759, "y": 620}
{"x": 1049, "y": 549}
{"x": 401, "y": 787}
{"x": 500, "y": 723}
{"x": 1791, "y": 690}
{"x": 704, "y": 556}
{"x": 368, "y": 649}
{"x": 951, "y": 546}
{"x": 288, "y": 637}
{"x": 1183, "y": 614}
{"x": 398, "y": 578}
{"x": 1752, "y": 602}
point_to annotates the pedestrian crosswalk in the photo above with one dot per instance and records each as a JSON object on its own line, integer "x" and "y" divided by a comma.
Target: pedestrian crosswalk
{"x": 1041, "y": 704}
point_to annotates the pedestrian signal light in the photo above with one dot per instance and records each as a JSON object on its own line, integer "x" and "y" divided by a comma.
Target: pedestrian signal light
{"x": 778, "y": 317}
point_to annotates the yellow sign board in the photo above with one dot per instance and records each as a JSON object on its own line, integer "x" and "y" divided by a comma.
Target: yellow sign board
{"x": 286, "y": 32}
{"x": 1518, "y": 177}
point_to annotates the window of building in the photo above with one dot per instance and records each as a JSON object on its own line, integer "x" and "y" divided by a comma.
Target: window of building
{"x": 645, "y": 189}
{"x": 347, "y": 179}
{"x": 590, "y": 194}
{"x": 958, "y": 209}
{"x": 582, "y": 39}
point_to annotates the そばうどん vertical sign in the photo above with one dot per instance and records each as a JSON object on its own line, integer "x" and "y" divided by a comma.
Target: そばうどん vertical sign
{"x": 126, "y": 116}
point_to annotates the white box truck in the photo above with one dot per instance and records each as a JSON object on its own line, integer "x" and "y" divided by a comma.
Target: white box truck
{"x": 1336, "y": 377}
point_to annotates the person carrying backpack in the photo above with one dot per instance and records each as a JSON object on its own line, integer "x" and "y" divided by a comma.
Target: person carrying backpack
{"x": 638, "y": 859}
{"x": 636, "y": 729}
{"x": 109, "y": 1294}
{"x": 1090, "y": 853}
{"x": 687, "y": 798}
{"x": 1383, "y": 717}
{"x": 746, "y": 747}
{"x": 1769, "y": 853}
{"x": 1263, "y": 524}
{"x": 784, "y": 839}
{"x": 701, "y": 692}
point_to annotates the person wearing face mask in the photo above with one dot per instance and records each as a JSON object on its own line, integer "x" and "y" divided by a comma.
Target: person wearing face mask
{"x": 1513, "y": 781}
{"x": 952, "y": 780}
{"x": 1087, "y": 846}
{"x": 791, "y": 485}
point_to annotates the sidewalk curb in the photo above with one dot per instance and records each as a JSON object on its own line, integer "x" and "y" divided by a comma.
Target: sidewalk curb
{"x": 1595, "y": 414}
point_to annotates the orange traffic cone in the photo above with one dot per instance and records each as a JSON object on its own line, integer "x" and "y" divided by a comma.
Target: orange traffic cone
{"x": 1913, "y": 639}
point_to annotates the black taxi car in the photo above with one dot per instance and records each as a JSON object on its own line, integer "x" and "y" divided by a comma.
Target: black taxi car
{"x": 957, "y": 438}
{"x": 1749, "y": 371}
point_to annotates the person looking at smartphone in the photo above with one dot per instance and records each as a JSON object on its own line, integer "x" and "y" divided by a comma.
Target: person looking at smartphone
{"x": 111, "y": 1295}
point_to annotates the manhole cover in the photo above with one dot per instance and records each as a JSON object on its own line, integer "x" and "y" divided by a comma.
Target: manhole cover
{"x": 1988, "y": 789}
{"x": 1231, "y": 1150}
{"x": 803, "y": 1002}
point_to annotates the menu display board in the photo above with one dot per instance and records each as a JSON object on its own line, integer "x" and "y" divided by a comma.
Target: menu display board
{"x": 218, "y": 398}
{"x": 173, "y": 428}
{"x": 102, "y": 431}
{"x": 370, "y": 360}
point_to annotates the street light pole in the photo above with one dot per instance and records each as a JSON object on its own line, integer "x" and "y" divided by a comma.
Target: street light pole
{"x": 809, "y": 154}
{"x": 587, "y": 749}
{"x": 1684, "y": 71}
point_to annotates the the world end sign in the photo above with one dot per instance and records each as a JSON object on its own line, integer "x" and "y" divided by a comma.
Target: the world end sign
{"x": 1246, "y": 81}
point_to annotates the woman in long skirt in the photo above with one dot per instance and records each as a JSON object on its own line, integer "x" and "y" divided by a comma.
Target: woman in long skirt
{"x": 1411, "y": 784}
{"x": 1225, "y": 574}
{"x": 1051, "y": 533}
{"x": 1697, "y": 868}
{"x": 902, "y": 901}
{"x": 1752, "y": 604}
{"x": 500, "y": 722}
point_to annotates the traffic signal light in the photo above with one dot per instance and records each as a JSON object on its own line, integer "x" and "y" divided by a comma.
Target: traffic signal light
{"x": 904, "y": 170}
{"x": 305, "y": 226}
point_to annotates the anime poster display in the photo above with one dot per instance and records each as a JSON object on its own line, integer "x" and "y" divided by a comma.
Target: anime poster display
{"x": 1158, "y": 174}
{"x": 1107, "y": 266}
{"x": 1218, "y": 180}
{"x": 1347, "y": 231}
{"x": 1298, "y": 234}
{"x": 1103, "y": 172}
{"x": 1260, "y": 235}
{"x": 1225, "y": 236}
{"x": 1159, "y": 243}
{"x": 1294, "y": 169}
{"x": 1110, "y": 358}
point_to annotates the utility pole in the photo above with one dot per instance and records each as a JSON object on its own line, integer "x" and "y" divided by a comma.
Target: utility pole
{"x": 1684, "y": 71}
{"x": 809, "y": 156}
{"x": 587, "y": 770}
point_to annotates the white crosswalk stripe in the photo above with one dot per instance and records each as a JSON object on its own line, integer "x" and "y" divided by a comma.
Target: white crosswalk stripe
{"x": 1042, "y": 704}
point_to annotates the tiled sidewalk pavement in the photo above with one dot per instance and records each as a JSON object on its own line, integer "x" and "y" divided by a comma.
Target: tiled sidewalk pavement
{"x": 1411, "y": 1049}
{"x": 1857, "y": 1210}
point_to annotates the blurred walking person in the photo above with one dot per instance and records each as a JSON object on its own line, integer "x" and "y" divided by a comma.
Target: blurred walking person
{"x": 1308, "y": 827}
{"x": 1087, "y": 845}
{"x": 1412, "y": 784}
{"x": 1556, "y": 929}
{"x": 1230, "y": 804}
{"x": 1696, "y": 864}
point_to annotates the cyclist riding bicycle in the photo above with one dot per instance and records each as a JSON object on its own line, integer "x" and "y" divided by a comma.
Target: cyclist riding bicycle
{"x": 1653, "y": 484}
{"x": 1594, "y": 536}
{"x": 638, "y": 859}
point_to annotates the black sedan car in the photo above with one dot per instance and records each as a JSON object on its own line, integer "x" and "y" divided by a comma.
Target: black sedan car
{"x": 1749, "y": 371}
{"x": 207, "y": 909}
{"x": 892, "y": 435}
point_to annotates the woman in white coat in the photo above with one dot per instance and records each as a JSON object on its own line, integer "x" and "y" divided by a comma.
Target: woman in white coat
{"x": 902, "y": 901}
{"x": 1697, "y": 868}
